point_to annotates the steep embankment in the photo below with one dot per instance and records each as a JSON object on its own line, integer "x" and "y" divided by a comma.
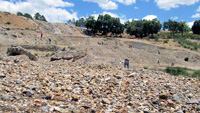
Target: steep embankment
{"x": 23, "y": 31}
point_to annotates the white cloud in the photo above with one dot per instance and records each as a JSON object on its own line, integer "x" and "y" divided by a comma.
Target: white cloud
{"x": 198, "y": 10}
{"x": 174, "y": 18}
{"x": 127, "y": 2}
{"x": 105, "y": 4}
{"x": 149, "y": 17}
{"x": 190, "y": 24}
{"x": 121, "y": 17}
{"x": 197, "y": 15}
{"x": 136, "y": 8}
{"x": 168, "y": 4}
{"x": 49, "y": 8}
{"x": 109, "y": 6}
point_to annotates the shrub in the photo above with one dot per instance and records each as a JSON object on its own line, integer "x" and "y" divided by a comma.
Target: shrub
{"x": 52, "y": 53}
{"x": 8, "y": 23}
{"x": 196, "y": 74}
{"x": 176, "y": 71}
{"x": 145, "y": 67}
{"x": 64, "y": 49}
{"x": 166, "y": 40}
{"x": 36, "y": 54}
{"x": 71, "y": 48}
{"x": 47, "y": 55}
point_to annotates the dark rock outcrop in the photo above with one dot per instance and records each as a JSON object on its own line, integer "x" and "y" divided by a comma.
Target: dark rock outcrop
{"x": 69, "y": 55}
{"x": 17, "y": 50}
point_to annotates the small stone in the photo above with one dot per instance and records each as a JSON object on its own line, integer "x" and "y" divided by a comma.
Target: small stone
{"x": 16, "y": 61}
{"x": 44, "y": 109}
{"x": 57, "y": 109}
{"x": 164, "y": 96}
{"x": 177, "y": 98}
{"x": 3, "y": 58}
{"x": 29, "y": 94}
{"x": 5, "y": 97}
{"x": 155, "y": 101}
{"x": 171, "y": 104}
{"x": 108, "y": 79}
{"x": 2, "y": 75}
{"x": 179, "y": 111}
{"x": 198, "y": 108}
{"x": 48, "y": 97}
{"x": 118, "y": 77}
{"x": 86, "y": 107}
{"x": 18, "y": 82}
{"x": 75, "y": 97}
{"x": 193, "y": 101}
{"x": 105, "y": 101}
{"x": 31, "y": 87}
{"x": 132, "y": 75}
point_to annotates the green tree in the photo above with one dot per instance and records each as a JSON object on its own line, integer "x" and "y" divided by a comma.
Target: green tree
{"x": 90, "y": 23}
{"x": 196, "y": 27}
{"x": 28, "y": 16}
{"x": 80, "y": 22}
{"x": 37, "y": 16}
{"x": 116, "y": 27}
{"x": 172, "y": 26}
{"x": 70, "y": 22}
{"x": 20, "y": 14}
{"x": 183, "y": 27}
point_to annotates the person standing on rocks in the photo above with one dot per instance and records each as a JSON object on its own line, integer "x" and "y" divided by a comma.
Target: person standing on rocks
{"x": 126, "y": 63}
{"x": 41, "y": 34}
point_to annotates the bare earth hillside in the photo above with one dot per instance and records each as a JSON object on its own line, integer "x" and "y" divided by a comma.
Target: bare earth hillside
{"x": 75, "y": 74}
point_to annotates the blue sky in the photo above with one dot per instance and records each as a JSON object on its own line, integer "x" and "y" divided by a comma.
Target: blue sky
{"x": 63, "y": 10}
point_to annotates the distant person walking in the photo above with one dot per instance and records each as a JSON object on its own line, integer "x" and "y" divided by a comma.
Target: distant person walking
{"x": 41, "y": 34}
{"x": 126, "y": 63}
{"x": 172, "y": 65}
{"x": 49, "y": 40}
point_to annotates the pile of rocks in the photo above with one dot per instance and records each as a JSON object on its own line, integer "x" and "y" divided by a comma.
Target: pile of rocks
{"x": 60, "y": 87}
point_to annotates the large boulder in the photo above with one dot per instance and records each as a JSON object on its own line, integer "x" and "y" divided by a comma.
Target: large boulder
{"x": 17, "y": 50}
{"x": 72, "y": 55}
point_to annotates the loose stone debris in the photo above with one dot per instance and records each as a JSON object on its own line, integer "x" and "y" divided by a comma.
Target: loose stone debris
{"x": 57, "y": 86}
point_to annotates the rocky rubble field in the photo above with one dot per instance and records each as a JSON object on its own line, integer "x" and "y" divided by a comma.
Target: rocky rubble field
{"x": 29, "y": 86}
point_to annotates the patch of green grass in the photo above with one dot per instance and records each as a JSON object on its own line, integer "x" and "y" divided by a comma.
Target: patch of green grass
{"x": 196, "y": 74}
{"x": 176, "y": 71}
{"x": 36, "y": 54}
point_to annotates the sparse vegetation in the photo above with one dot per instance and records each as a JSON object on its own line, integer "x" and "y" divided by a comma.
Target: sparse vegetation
{"x": 8, "y": 23}
{"x": 145, "y": 67}
{"x": 63, "y": 49}
{"x": 176, "y": 71}
{"x": 52, "y": 53}
{"x": 71, "y": 48}
{"x": 166, "y": 41}
{"x": 36, "y": 54}
{"x": 47, "y": 55}
{"x": 196, "y": 74}
{"x": 37, "y": 16}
